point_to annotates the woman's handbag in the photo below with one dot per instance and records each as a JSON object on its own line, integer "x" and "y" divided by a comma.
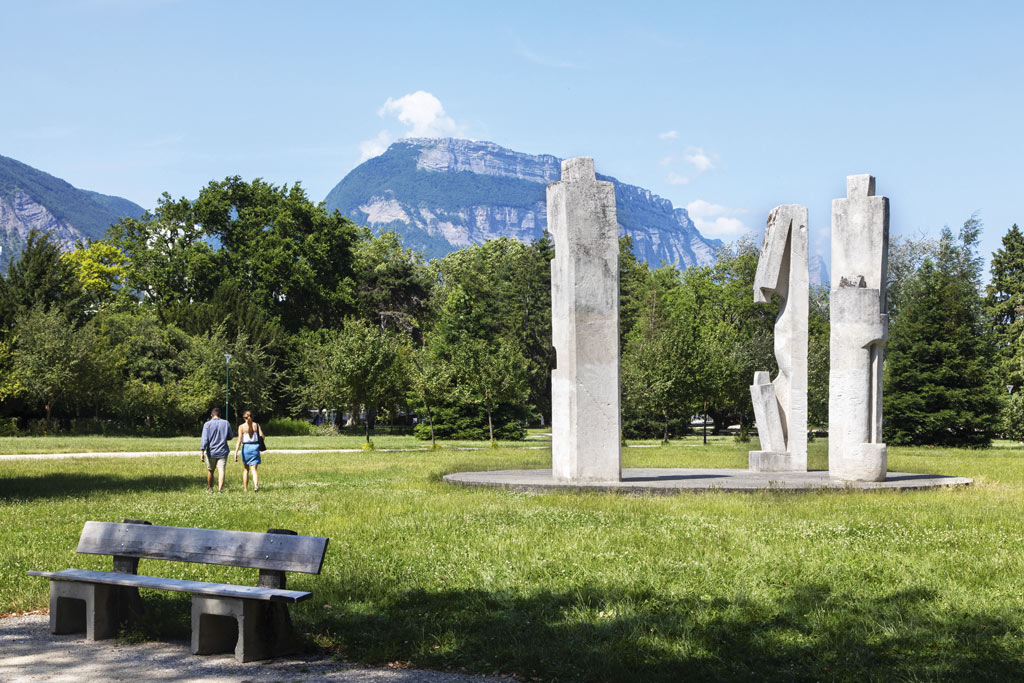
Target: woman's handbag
{"x": 263, "y": 443}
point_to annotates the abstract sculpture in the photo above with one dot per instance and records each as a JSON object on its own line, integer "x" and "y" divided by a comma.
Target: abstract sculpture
{"x": 859, "y": 330}
{"x": 780, "y": 406}
{"x": 585, "y": 412}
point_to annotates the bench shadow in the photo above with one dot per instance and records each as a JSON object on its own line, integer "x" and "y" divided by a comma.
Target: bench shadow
{"x": 61, "y": 484}
{"x": 638, "y": 635}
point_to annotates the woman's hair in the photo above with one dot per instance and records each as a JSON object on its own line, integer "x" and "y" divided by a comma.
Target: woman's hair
{"x": 248, "y": 414}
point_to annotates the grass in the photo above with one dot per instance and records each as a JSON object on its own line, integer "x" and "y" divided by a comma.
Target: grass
{"x": 20, "y": 445}
{"x": 910, "y": 586}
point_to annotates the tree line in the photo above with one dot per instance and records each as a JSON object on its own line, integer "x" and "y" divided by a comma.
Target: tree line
{"x": 129, "y": 333}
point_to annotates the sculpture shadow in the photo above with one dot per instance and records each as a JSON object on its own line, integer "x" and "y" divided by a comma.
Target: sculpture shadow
{"x": 61, "y": 484}
{"x": 630, "y": 634}
{"x": 674, "y": 477}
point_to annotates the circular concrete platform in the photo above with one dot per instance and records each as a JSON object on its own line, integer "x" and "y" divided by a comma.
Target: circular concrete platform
{"x": 670, "y": 481}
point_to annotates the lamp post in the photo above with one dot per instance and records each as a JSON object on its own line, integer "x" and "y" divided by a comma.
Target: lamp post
{"x": 227, "y": 384}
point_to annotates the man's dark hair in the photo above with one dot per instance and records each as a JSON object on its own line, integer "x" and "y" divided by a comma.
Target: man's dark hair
{"x": 215, "y": 412}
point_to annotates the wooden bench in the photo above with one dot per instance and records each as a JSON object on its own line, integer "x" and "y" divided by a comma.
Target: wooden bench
{"x": 253, "y": 621}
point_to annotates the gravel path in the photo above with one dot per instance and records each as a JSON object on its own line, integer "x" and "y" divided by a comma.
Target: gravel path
{"x": 28, "y": 652}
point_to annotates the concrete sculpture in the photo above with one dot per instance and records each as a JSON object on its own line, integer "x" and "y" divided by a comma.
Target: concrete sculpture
{"x": 859, "y": 330}
{"x": 585, "y": 410}
{"x": 780, "y": 406}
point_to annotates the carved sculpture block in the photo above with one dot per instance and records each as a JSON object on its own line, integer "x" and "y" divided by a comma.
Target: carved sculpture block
{"x": 780, "y": 407}
{"x": 859, "y": 331}
{"x": 585, "y": 408}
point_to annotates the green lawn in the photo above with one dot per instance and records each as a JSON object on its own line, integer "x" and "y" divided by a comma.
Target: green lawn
{"x": 15, "y": 445}
{"x": 597, "y": 587}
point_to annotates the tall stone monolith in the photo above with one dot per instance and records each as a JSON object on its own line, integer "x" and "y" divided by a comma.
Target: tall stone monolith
{"x": 780, "y": 405}
{"x": 859, "y": 331}
{"x": 585, "y": 412}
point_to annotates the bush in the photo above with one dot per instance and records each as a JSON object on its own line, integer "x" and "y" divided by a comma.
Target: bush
{"x": 469, "y": 423}
{"x": 9, "y": 426}
{"x": 647, "y": 427}
{"x": 288, "y": 426}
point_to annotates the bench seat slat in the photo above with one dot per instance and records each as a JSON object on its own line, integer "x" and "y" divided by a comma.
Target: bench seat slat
{"x": 208, "y": 546}
{"x": 200, "y": 587}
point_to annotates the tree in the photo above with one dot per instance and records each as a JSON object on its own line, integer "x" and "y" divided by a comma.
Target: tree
{"x": 818, "y": 359}
{"x": 430, "y": 377}
{"x": 734, "y": 335}
{"x": 501, "y": 288}
{"x": 906, "y": 256}
{"x": 171, "y": 264}
{"x": 1004, "y": 307}
{"x": 657, "y": 361}
{"x": 40, "y": 278}
{"x": 393, "y": 285}
{"x": 51, "y": 359}
{"x": 368, "y": 364}
{"x": 291, "y": 257}
{"x": 100, "y": 269}
{"x": 939, "y": 387}
{"x": 492, "y": 372}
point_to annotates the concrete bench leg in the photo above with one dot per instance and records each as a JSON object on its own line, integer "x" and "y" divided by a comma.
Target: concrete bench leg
{"x": 248, "y": 627}
{"x": 88, "y": 607}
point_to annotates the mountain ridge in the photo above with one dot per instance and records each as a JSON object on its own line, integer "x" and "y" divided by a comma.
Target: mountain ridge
{"x": 33, "y": 199}
{"x": 442, "y": 194}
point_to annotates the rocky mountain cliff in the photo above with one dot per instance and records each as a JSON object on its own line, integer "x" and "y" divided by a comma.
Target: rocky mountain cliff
{"x": 445, "y": 194}
{"x": 31, "y": 199}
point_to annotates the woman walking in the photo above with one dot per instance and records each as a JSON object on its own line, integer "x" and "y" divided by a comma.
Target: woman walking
{"x": 249, "y": 435}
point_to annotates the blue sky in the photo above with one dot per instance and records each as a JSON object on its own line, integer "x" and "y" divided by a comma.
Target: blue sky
{"x": 726, "y": 108}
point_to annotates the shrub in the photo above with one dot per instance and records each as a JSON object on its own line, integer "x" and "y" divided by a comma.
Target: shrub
{"x": 288, "y": 426}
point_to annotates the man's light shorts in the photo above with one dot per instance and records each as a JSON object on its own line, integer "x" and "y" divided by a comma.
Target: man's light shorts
{"x": 216, "y": 463}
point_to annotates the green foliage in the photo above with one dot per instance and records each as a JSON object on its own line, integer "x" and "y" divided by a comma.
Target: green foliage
{"x": 393, "y": 284}
{"x": 658, "y": 361}
{"x": 287, "y": 427}
{"x": 42, "y": 279}
{"x": 818, "y": 359}
{"x": 100, "y": 269}
{"x": 940, "y": 388}
{"x": 1004, "y": 307}
{"x": 1013, "y": 417}
{"x": 51, "y": 361}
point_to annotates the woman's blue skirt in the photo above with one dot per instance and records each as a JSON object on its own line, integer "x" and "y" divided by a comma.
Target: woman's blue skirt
{"x": 251, "y": 453}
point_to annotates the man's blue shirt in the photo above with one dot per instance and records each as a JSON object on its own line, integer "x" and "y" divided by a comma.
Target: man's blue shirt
{"x": 216, "y": 433}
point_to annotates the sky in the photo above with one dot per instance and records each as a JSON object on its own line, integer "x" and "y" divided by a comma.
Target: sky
{"x": 725, "y": 108}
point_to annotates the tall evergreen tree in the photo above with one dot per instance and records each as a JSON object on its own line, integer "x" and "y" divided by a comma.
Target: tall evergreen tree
{"x": 939, "y": 387}
{"x": 1004, "y": 307}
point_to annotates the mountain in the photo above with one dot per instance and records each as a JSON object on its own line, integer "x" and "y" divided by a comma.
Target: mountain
{"x": 444, "y": 194}
{"x": 30, "y": 198}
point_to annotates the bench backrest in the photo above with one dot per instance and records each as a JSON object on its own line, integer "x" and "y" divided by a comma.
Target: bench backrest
{"x": 277, "y": 552}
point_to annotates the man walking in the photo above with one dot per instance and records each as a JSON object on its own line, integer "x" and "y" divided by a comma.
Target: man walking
{"x": 213, "y": 449}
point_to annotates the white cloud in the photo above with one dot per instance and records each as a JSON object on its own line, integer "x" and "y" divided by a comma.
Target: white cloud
{"x": 374, "y": 147}
{"x": 699, "y": 160}
{"x": 422, "y": 113}
{"x": 715, "y": 220}
{"x": 423, "y": 116}
{"x": 669, "y": 135}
